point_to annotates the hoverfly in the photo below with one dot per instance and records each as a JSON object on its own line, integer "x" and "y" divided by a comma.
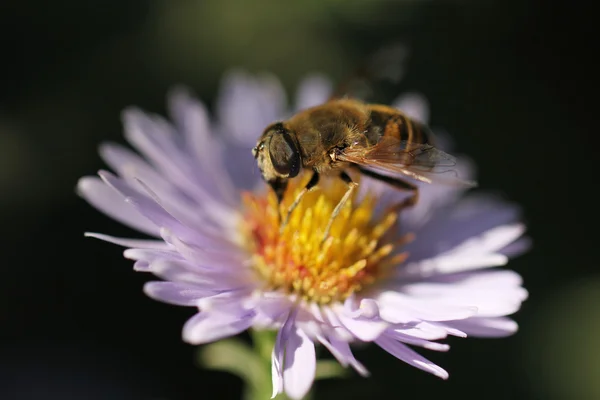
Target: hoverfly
{"x": 379, "y": 141}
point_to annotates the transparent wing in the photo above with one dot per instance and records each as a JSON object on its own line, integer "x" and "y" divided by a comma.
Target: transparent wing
{"x": 418, "y": 161}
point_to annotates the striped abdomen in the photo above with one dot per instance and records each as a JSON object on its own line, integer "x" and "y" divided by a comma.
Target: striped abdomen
{"x": 388, "y": 121}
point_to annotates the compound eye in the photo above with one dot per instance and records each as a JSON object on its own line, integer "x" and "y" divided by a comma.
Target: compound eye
{"x": 284, "y": 155}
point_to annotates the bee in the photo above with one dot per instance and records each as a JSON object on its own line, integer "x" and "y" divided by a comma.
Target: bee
{"x": 346, "y": 133}
{"x": 379, "y": 141}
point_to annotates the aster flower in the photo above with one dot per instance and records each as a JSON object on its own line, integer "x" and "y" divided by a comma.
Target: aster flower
{"x": 398, "y": 280}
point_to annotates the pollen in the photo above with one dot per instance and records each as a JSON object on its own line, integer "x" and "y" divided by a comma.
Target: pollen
{"x": 298, "y": 259}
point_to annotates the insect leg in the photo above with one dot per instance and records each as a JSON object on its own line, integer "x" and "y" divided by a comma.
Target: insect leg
{"x": 311, "y": 184}
{"x": 351, "y": 186}
{"x": 398, "y": 184}
{"x": 278, "y": 186}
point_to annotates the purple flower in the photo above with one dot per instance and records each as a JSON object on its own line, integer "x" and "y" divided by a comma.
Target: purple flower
{"x": 395, "y": 280}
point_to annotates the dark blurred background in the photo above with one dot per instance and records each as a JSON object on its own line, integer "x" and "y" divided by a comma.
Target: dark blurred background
{"x": 512, "y": 81}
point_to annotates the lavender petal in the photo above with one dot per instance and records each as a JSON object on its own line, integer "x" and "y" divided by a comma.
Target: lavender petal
{"x": 485, "y": 327}
{"x": 111, "y": 203}
{"x": 192, "y": 119}
{"x": 481, "y": 251}
{"x": 364, "y": 329}
{"x": 493, "y": 293}
{"x": 214, "y": 324}
{"x": 414, "y": 341}
{"x": 157, "y": 141}
{"x": 243, "y": 120}
{"x": 455, "y": 224}
{"x": 425, "y": 309}
{"x": 300, "y": 364}
{"x": 177, "y": 293}
{"x": 278, "y": 354}
{"x": 340, "y": 349}
{"x": 126, "y": 242}
{"x": 409, "y": 356}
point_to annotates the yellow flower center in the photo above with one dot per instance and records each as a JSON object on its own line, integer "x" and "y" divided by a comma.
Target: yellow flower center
{"x": 358, "y": 250}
